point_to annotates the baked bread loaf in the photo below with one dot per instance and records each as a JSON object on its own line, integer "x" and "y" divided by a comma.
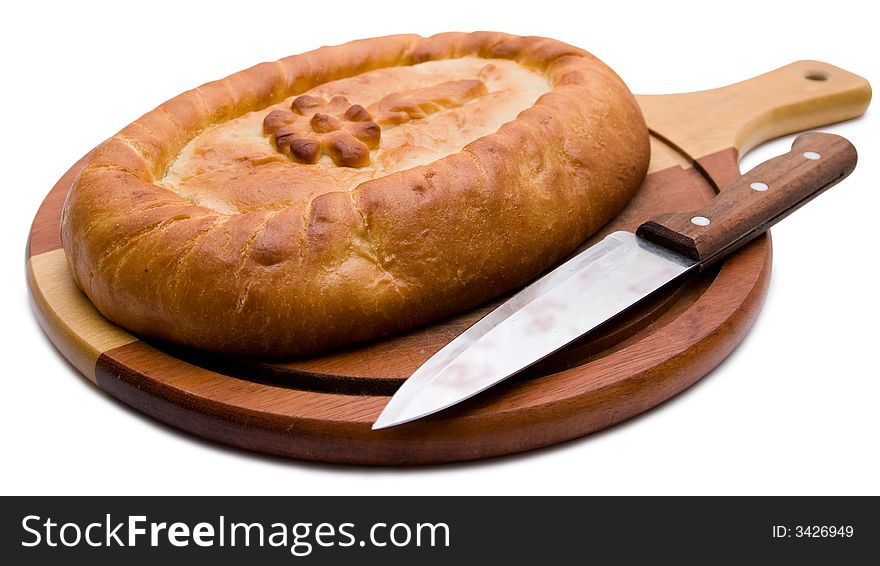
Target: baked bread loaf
{"x": 352, "y": 191}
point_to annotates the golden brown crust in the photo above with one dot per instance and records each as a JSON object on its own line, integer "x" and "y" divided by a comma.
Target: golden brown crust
{"x": 397, "y": 251}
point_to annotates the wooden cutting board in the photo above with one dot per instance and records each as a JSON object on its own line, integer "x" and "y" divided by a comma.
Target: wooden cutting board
{"x": 321, "y": 408}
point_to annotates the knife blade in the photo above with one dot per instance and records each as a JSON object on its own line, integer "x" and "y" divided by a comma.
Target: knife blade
{"x": 608, "y": 278}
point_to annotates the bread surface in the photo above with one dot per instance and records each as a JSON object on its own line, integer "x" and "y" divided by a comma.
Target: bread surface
{"x": 352, "y": 191}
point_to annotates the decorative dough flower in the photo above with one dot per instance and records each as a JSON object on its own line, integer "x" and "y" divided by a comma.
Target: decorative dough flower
{"x": 344, "y": 131}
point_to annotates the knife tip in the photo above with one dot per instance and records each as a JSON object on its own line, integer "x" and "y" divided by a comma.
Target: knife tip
{"x": 384, "y": 422}
{"x": 411, "y": 407}
{"x": 387, "y": 421}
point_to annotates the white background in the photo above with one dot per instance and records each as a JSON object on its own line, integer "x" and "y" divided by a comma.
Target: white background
{"x": 792, "y": 411}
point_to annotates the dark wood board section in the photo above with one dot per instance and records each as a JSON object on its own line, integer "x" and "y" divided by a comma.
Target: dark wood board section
{"x": 321, "y": 408}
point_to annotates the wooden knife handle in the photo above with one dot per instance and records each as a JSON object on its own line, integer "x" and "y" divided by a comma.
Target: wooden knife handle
{"x": 759, "y": 199}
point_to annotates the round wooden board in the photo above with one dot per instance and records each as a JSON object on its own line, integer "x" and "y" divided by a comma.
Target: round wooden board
{"x": 322, "y": 408}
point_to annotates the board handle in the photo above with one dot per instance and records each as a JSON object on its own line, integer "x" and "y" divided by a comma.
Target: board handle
{"x": 794, "y": 98}
{"x": 759, "y": 199}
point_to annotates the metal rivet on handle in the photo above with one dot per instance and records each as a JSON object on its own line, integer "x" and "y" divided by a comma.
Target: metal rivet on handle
{"x": 758, "y": 186}
{"x": 700, "y": 221}
{"x": 812, "y": 155}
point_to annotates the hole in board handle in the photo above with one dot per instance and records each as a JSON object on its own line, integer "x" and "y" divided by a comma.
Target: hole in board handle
{"x": 817, "y": 75}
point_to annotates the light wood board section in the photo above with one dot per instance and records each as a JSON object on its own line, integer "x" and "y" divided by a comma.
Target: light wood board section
{"x": 794, "y": 98}
{"x": 78, "y": 329}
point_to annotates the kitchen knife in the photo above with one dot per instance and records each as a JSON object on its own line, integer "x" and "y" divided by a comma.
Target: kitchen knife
{"x": 618, "y": 272}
